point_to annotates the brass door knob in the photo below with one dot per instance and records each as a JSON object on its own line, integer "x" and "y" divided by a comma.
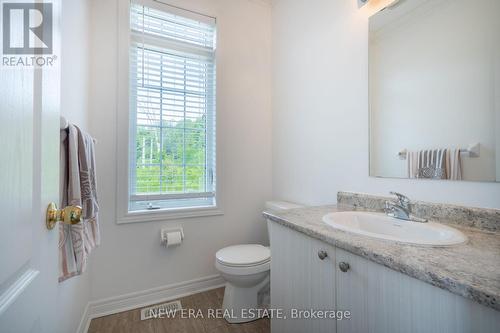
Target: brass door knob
{"x": 67, "y": 215}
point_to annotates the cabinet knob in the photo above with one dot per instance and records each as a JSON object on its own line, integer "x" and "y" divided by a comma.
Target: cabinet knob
{"x": 344, "y": 266}
{"x": 322, "y": 254}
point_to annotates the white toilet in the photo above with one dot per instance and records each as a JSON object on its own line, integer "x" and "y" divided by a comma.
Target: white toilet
{"x": 246, "y": 269}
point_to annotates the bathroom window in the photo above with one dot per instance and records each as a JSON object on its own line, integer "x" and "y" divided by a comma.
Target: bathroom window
{"x": 172, "y": 109}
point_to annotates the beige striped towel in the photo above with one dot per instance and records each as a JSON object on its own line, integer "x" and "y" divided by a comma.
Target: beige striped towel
{"x": 434, "y": 164}
{"x": 78, "y": 187}
{"x": 453, "y": 164}
{"x": 412, "y": 163}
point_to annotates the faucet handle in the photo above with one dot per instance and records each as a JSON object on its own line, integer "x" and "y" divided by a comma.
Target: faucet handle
{"x": 388, "y": 207}
{"x": 402, "y": 199}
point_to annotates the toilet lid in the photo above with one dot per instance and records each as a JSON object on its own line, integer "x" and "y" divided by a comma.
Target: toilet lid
{"x": 243, "y": 255}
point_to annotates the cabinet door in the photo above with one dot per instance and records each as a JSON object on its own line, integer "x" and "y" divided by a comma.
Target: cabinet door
{"x": 300, "y": 280}
{"x": 383, "y": 300}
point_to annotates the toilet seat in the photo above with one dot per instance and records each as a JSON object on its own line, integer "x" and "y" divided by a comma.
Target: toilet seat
{"x": 243, "y": 259}
{"x": 243, "y": 270}
{"x": 243, "y": 255}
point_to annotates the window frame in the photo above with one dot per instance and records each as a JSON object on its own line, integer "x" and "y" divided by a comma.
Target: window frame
{"x": 124, "y": 127}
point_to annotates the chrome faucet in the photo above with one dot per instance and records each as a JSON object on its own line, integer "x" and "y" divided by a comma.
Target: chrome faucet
{"x": 401, "y": 209}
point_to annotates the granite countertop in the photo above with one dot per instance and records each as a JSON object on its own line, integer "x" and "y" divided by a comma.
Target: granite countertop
{"x": 471, "y": 269}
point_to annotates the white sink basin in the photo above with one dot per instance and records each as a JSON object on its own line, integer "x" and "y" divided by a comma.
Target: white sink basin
{"x": 379, "y": 225}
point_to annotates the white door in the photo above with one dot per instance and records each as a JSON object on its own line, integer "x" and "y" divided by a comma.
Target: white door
{"x": 29, "y": 176}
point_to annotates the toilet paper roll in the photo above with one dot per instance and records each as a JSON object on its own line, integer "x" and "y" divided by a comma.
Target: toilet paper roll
{"x": 173, "y": 238}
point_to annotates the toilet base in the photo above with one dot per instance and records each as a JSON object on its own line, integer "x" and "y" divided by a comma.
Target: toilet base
{"x": 240, "y": 301}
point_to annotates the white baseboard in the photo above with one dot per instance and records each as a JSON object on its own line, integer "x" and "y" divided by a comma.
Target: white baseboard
{"x": 83, "y": 327}
{"x": 147, "y": 297}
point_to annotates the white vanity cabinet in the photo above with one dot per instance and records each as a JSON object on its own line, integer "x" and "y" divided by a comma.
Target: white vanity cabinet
{"x": 383, "y": 300}
{"x": 378, "y": 298}
{"x": 300, "y": 279}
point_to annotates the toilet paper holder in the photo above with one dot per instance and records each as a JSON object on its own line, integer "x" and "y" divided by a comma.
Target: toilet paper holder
{"x": 165, "y": 231}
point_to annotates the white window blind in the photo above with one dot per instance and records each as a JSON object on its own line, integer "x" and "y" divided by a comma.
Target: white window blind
{"x": 172, "y": 99}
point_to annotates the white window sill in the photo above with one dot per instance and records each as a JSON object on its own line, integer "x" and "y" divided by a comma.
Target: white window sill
{"x": 168, "y": 214}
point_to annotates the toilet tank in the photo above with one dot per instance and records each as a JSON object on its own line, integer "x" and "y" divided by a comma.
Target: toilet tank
{"x": 281, "y": 205}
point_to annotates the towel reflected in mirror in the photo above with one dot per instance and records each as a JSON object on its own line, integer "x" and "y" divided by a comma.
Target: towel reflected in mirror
{"x": 434, "y": 164}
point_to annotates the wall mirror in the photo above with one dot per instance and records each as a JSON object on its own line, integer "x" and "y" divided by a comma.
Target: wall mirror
{"x": 434, "y": 83}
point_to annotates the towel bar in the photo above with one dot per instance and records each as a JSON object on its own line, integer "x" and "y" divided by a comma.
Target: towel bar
{"x": 64, "y": 124}
{"x": 473, "y": 151}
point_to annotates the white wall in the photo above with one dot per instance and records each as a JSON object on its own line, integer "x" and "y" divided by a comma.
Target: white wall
{"x": 497, "y": 98}
{"x": 74, "y": 294}
{"x": 431, "y": 83}
{"x": 320, "y": 110}
{"x": 131, "y": 258}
